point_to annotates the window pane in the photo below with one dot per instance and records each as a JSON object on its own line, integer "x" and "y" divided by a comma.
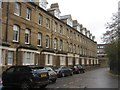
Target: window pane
{"x": 54, "y": 43}
{"x": 3, "y": 57}
{"x": 28, "y": 13}
{"x": 40, "y": 19}
{"x": 47, "y": 23}
{"x": 17, "y": 9}
{"x": 61, "y": 44}
{"x": 15, "y": 33}
{"x": 27, "y": 36}
{"x": 47, "y": 41}
{"x": 39, "y": 39}
{"x": 37, "y": 59}
{"x": 10, "y": 57}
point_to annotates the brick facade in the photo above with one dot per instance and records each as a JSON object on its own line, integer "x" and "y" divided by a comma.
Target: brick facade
{"x": 83, "y": 47}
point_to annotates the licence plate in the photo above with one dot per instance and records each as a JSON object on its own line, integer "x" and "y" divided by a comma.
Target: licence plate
{"x": 43, "y": 75}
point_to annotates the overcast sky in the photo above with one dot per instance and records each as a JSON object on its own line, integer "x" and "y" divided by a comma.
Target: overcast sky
{"x": 93, "y": 14}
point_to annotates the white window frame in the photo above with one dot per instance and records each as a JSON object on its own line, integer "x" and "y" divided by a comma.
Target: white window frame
{"x": 82, "y": 60}
{"x": 74, "y": 48}
{"x": 28, "y": 58}
{"x": 40, "y": 19}
{"x": 67, "y": 46}
{"x": 70, "y": 34}
{"x": 16, "y": 33}
{"x": 62, "y": 60}
{"x": 67, "y": 32}
{"x": 0, "y": 3}
{"x": 61, "y": 29}
{"x": 61, "y": 44}
{"x": 55, "y": 43}
{"x": 10, "y": 58}
{"x": 47, "y": 23}
{"x": 55, "y": 26}
{"x": 70, "y": 62}
{"x": 74, "y": 35}
{"x": 27, "y": 36}
{"x": 47, "y": 41}
{"x": 87, "y": 61}
{"x": 17, "y": 9}
{"x": 28, "y": 14}
{"x": 77, "y": 61}
{"x": 49, "y": 59}
{"x": 39, "y": 39}
{"x": 36, "y": 59}
{"x": 71, "y": 47}
{"x": 3, "y": 57}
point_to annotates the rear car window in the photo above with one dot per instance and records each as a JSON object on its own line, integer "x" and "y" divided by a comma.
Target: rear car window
{"x": 10, "y": 70}
{"x": 38, "y": 69}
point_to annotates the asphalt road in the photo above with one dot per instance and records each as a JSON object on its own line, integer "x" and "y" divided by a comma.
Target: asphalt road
{"x": 98, "y": 78}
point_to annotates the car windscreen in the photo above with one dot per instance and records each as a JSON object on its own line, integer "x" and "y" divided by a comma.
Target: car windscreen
{"x": 38, "y": 69}
{"x": 55, "y": 68}
{"x": 48, "y": 68}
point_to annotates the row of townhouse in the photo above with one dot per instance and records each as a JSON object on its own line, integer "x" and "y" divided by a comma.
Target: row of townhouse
{"x": 34, "y": 35}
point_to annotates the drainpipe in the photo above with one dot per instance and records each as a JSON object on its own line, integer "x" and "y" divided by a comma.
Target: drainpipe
{"x": 40, "y": 56}
{"x": 7, "y": 14}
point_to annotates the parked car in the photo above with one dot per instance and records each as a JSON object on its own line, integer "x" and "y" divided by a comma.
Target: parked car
{"x": 78, "y": 69}
{"x": 63, "y": 71}
{"x": 52, "y": 74}
{"x": 25, "y": 77}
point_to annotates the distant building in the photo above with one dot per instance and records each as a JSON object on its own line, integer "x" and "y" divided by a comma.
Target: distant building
{"x": 102, "y": 56}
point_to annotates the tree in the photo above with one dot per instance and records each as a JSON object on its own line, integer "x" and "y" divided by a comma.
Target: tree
{"x": 111, "y": 34}
{"x": 111, "y": 37}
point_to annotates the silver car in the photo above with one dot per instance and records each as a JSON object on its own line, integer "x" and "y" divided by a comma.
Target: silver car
{"x": 52, "y": 74}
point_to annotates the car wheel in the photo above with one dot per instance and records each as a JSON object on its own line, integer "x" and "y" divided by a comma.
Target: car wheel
{"x": 25, "y": 86}
{"x": 63, "y": 75}
{"x": 71, "y": 73}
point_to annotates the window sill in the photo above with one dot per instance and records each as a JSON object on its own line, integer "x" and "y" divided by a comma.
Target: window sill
{"x": 27, "y": 19}
{"x": 39, "y": 46}
{"x": 16, "y": 14}
{"x": 15, "y": 41}
{"x": 27, "y": 43}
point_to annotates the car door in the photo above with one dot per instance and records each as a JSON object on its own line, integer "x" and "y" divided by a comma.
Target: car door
{"x": 8, "y": 76}
{"x": 20, "y": 73}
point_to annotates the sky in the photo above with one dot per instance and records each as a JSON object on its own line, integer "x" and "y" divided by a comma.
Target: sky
{"x": 92, "y": 14}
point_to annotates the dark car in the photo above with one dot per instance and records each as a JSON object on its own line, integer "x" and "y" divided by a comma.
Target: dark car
{"x": 28, "y": 76}
{"x": 78, "y": 69}
{"x": 52, "y": 74}
{"x": 63, "y": 71}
